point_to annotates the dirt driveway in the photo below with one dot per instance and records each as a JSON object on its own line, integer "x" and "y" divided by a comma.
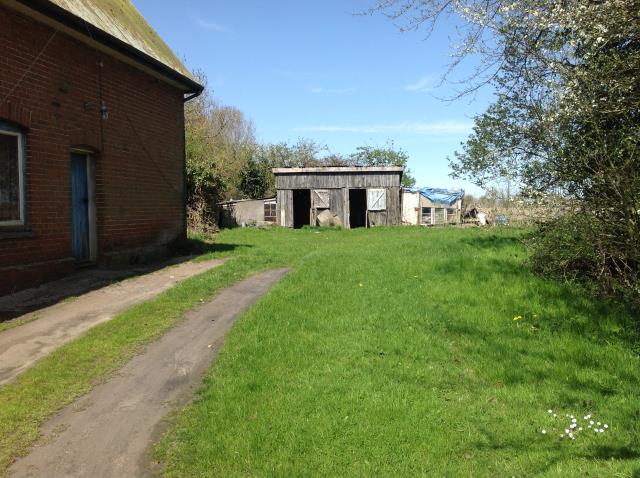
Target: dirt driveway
{"x": 22, "y": 346}
{"x": 108, "y": 432}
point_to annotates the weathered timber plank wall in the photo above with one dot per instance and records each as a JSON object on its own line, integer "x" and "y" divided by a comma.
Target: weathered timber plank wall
{"x": 338, "y": 183}
{"x": 337, "y": 204}
{"x": 337, "y": 180}
{"x": 392, "y": 215}
{"x": 284, "y": 208}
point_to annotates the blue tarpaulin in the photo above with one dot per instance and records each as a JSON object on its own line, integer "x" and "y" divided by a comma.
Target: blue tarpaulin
{"x": 442, "y": 196}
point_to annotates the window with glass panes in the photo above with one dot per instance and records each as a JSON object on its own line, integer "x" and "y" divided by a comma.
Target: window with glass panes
{"x": 270, "y": 211}
{"x": 11, "y": 176}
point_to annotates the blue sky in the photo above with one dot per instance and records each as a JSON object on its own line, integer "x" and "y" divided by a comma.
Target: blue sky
{"x": 316, "y": 70}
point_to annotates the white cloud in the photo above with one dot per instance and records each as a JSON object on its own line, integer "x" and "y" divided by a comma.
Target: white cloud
{"x": 336, "y": 91}
{"x": 433, "y": 128}
{"x": 212, "y": 26}
{"x": 426, "y": 83}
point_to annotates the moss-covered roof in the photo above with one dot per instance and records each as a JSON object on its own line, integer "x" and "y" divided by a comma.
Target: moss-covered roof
{"x": 120, "y": 19}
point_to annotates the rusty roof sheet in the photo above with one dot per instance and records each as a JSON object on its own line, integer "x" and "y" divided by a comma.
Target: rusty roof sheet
{"x": 120, "y": 19}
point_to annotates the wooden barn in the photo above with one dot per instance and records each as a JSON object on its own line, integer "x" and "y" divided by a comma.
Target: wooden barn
{"x": 341, "y": 196}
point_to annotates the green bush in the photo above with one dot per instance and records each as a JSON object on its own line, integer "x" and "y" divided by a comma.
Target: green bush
{"x": 581, "y": 247}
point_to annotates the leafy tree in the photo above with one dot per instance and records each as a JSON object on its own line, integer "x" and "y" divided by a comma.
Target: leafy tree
{"x": 218, "y": 142}
{"x": 303, "y": 153}
{"x": 387, "y": 155}
{"x": 254, "y": 180}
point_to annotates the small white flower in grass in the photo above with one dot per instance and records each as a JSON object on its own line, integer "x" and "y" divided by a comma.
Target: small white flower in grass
{"x": 555, "y": 416}
{"x": 573, "y": 430}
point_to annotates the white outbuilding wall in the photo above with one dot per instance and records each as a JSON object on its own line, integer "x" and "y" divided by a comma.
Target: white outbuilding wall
{"x": 410, "y": 208}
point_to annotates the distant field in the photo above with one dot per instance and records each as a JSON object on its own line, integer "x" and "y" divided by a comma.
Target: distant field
{"x": 412, "y": 352}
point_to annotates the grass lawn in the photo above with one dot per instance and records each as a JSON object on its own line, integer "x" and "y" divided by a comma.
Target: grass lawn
{"x": 394, "y": 352}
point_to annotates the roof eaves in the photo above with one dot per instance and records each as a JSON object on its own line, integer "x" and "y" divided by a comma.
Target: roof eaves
{"x": 92, "y": 32}
{"x": 340, "y": 169}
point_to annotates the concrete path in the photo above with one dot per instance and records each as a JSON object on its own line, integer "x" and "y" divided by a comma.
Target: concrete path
{"x": 22, "y": 346}
{"x": 108, "y": 433}
{"x": 77, "y": 283}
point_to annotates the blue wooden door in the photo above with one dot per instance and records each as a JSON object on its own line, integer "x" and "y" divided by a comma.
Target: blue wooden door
{"x": 79, "y": 208}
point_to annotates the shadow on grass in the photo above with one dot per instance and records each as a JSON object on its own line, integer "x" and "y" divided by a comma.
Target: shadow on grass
{"x": 492, "y": 241}
{"x": 196, "y": 246}
{"x": 572, "y": 296}
{"x": 525, "y": 363}
{"x": 596, "y": 453}
{"x": 619, "y": 453}
{"x": 562, "y": 307}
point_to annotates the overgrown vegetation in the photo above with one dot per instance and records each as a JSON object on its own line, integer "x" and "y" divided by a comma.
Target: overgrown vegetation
{"x": 219, "y": 141}
{"x": 411, "y": 352}
{"x": 566, "y": 121}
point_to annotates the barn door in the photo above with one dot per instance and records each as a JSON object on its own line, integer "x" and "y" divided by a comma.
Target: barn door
{"x": 81, "y": 208}
{"x": 320, "y": 199}
{"x": 376, "y": 199}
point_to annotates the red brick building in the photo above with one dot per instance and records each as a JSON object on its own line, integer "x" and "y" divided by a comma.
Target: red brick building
{"x": 91, "y": 138}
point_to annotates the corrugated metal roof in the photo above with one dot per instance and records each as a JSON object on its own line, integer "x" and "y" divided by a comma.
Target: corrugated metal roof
{"x": 120, "y": 19}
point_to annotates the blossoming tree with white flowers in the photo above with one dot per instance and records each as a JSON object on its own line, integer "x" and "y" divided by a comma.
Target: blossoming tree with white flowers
{"x": 566, "y": 120}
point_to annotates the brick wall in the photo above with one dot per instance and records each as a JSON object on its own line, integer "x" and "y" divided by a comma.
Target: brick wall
{"x": 139, "y": 149}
